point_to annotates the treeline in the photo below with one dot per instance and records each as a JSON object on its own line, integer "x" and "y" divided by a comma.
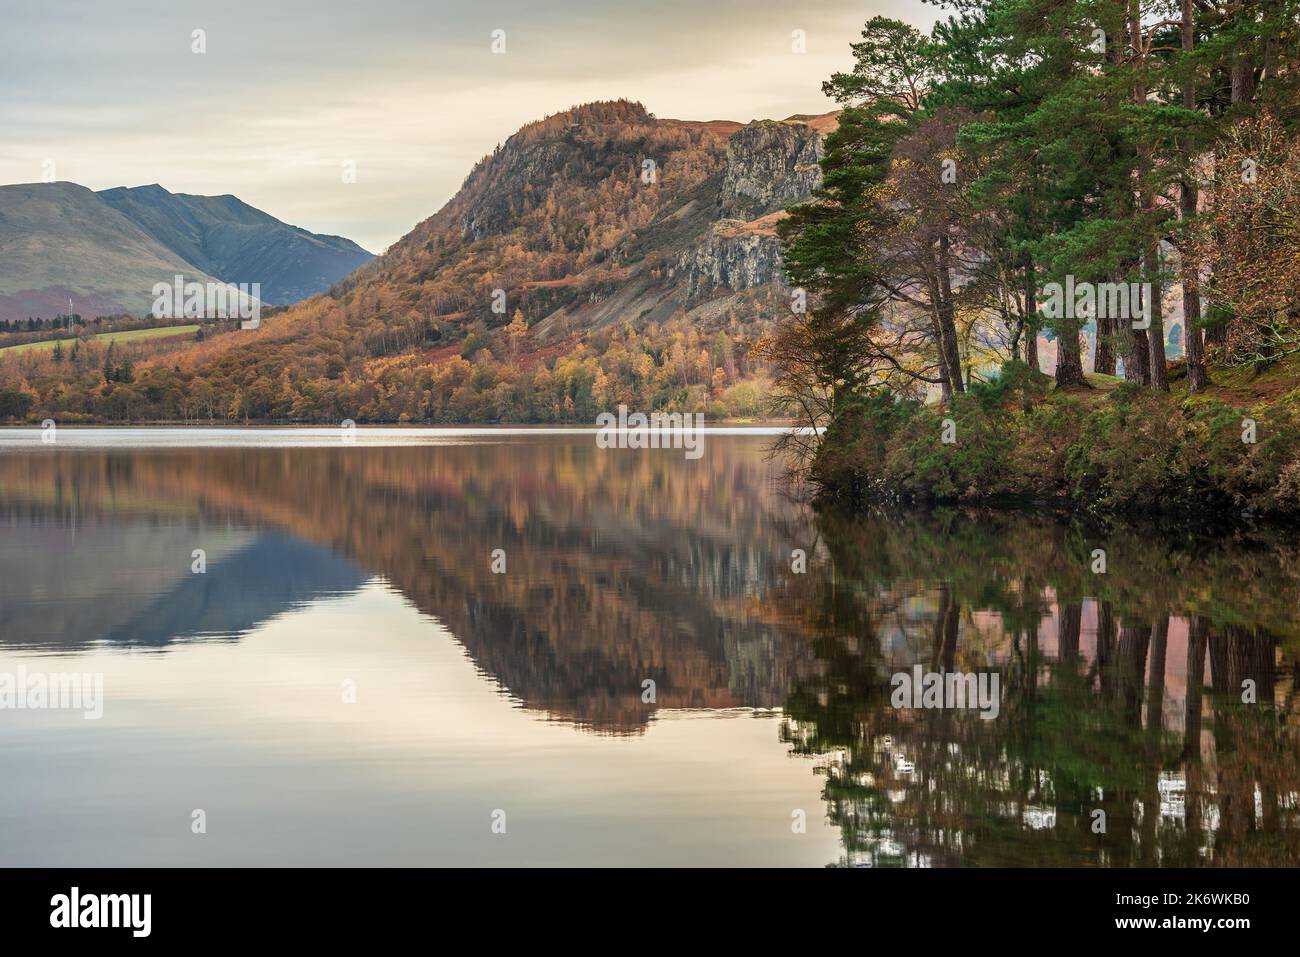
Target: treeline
{"x": 16, "y": 332}
{"x": 1025, "y": 143}
{"x": 32, "y": 324}
{"x": 327, "y": 368}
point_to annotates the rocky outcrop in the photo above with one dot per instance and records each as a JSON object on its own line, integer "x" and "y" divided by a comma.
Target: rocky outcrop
{"x": 563, "y": 219}
{"x": 770, "y": 165}
{"x": 727, "y": 260}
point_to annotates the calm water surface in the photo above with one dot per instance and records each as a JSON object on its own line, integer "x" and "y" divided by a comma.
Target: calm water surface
{"x": 349, "y": 682}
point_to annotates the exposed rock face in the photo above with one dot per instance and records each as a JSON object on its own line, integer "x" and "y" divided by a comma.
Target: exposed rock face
{"x": 563, "y": 219}
{"x": 724, "y": 260}
{"x": 770, "y": 165}
{"x": 562, "y": 215}
{"x": 516, "y": 183}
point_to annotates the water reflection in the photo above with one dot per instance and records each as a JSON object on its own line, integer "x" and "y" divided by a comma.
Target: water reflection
{"x": 621, "y": 568}
{"x": 1121, "y": 691}
{"x": 1148, "y": 712}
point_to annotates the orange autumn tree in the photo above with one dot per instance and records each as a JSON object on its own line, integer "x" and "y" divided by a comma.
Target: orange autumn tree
{"x": 1249, "y": 242}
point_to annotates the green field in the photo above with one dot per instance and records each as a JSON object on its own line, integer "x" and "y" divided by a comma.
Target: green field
{"x": 130, "y": 336}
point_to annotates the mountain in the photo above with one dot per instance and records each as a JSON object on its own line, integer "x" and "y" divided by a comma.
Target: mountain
{"x": 226, "y": 237}
{"x": 60, "y": 241}
{"x": 565, "y": 220}
{"x": 598, "y": 256}
{"x": 105, "y": 251}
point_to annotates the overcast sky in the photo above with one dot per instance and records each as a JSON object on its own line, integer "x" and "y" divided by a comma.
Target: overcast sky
{"x": 408, "y": 90}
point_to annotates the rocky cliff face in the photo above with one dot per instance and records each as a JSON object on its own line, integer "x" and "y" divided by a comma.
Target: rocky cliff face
{"x": 770, "y": 166}
{"x": 731, "y": 260}
{"x": 600, "y": 216}
{"x": 605, "y": 213}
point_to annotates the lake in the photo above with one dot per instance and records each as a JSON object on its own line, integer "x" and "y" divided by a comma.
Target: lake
{"x": 488, "y": 647}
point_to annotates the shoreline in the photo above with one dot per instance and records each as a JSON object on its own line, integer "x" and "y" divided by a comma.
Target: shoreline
{"x": 734, "y": 424}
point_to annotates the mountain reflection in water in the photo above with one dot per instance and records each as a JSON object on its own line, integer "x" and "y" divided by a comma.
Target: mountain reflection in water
{"x": 1122, "y": 736}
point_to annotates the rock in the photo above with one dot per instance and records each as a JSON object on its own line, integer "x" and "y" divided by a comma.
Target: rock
{"x": 770, "y": 165}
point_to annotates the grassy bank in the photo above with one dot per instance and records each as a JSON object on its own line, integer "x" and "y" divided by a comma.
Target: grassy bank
{"x": 132, "y": 335}
{"x": 1109, "y": 448}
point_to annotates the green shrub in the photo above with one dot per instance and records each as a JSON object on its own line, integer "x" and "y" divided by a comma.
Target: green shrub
{"x": 15, "y": 404}
{"x": 1014, "y": 384}
{"x": 852, "y": 452}
{"x": 975, "y": 465}
{"x": 1134, "y": 452}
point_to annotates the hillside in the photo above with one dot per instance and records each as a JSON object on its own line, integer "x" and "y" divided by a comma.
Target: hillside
{"x": 228, "y": 238}
{"x": 60, "y": 241}
{"x": 105, "y": 251}
{"x": 568, "y": 274}
{"x": 562, "y": 220}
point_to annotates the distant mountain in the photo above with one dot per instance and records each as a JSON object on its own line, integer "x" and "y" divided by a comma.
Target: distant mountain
{"x": 60, "y": 241}
{"x": 226, "y": 237}
{"x": 105, "y": 251}
{"x": 600, "y": 220}
{"x": 569, "y": 220}
{"x": 599, "y": 256}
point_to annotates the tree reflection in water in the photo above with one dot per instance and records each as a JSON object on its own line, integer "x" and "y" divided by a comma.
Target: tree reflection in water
{"x": 1122, "y": 691}
{"x": 1128, "y": 732}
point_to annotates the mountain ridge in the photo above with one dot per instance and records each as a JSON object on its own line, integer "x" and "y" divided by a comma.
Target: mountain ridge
{"x": 600, "y": 255}
{"x": 227, "y": 237}
{"x": 60, "y": 241}
{"x": 703, "y": 177}
{"x": 105, "y": 250}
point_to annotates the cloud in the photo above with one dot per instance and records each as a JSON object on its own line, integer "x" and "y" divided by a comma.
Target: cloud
{"x": 408, "y": 90}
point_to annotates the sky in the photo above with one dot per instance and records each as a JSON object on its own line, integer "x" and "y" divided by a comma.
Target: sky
{"x": 286, "y": 93}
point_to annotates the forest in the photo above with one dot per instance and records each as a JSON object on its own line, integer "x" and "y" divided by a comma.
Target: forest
{"x": 1022, "y": 145}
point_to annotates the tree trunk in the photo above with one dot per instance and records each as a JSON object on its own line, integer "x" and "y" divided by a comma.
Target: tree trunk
{"x": 1070, "y": 617}
{"x": 1154, "y": 729}
{"x": 1196, "y": 640}
{"x": 1156, "y": 681}
{"x": 945, "y": 380}
{"x": 1130, "y": 669}
{"x": 947, "y": 319}
{"x": 1137, "y": 361}
{"x": 1069, "y": 362}
{"x": 946, "y": 628}
{"x": 1159, "y": 377}
{"x": 1106, "y": 648}
{"x": 1243, "y": 74}
{"x": 1191, "y": 757}
{"x": 1197, "y": 376}
{"x": 1031, "y": 318}
{"x": 1103, "y": 360}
